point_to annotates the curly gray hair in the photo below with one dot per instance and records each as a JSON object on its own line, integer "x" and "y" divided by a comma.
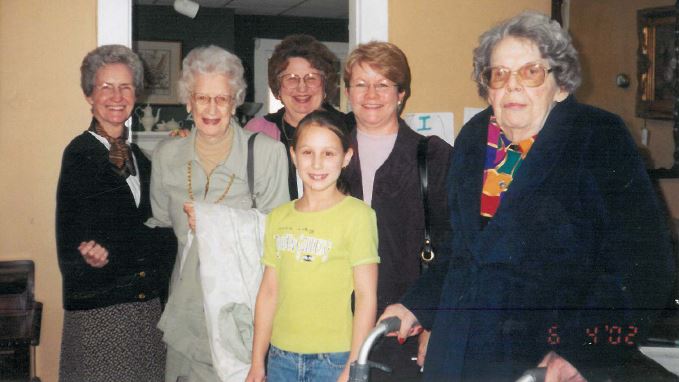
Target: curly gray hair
{"x": 212, "y": 60}
{"x": 110, "y": 54}
{"x": 553, "y": 42}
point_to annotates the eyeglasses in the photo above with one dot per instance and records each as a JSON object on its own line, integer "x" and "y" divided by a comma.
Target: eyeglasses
{"x": 531, "y": 75}
{"x": 109, "y": 89}
{"x": 292, "y": 81}
{"x": 221, "y": 100}
{"x": 362, "y": 87}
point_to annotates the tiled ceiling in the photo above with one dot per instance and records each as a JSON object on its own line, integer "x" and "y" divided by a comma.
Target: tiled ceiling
{"x": 336, "y": 9}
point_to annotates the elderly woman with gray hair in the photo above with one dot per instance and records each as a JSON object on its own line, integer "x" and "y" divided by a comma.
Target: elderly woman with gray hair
{"x": 115, "y": 269}
{"x": 560, "y": 254}
{"x": 208, "y": 166}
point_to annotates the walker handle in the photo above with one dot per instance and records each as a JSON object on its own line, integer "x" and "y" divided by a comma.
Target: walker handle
{"x": 360, "y": 369}
{"x": 385, "y": 326}
{"x": 391, "y": 324}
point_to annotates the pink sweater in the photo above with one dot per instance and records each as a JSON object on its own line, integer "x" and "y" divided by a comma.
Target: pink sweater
{"x": 261, "y": 125}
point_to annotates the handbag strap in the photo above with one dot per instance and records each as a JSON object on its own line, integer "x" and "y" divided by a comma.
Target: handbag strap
{"x": 427, "y": 254}
{"x": 251, "y": 169}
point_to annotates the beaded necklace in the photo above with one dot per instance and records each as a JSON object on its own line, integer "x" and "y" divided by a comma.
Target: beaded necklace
{"x": 189, "y": 168}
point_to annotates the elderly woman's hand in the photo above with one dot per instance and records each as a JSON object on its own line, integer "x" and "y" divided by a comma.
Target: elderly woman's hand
{"x": 191, "y": 214}
{"x": 409, "y": 324}
{"x": 560, "y": 370}
{"x": 94, "y": 254}
{"x": 423, "y": 341}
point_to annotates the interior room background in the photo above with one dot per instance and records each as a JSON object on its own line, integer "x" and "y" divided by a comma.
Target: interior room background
{"x": 42, "y": 107}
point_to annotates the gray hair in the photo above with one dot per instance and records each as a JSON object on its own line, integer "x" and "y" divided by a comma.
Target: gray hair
{"x": 212, "y": 60}
{"x": 110, "y": 54}
{"x": 553, "y": 42}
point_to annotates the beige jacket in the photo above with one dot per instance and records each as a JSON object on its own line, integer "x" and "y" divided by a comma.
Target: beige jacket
{"x": 183, "y": 321}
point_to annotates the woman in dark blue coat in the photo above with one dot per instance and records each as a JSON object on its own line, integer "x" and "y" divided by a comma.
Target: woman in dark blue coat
{"x": 560, "y": 255}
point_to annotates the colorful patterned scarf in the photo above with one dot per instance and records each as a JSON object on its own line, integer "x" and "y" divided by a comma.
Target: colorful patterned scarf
{"x": 503, "y": 158}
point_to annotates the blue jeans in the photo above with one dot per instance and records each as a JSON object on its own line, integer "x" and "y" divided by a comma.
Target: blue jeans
{"x": 285, "y": 366}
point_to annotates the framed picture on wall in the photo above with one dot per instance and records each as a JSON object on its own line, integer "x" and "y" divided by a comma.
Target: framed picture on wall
{"x": 656, "y": 62}
{"x": 161, "y": 70}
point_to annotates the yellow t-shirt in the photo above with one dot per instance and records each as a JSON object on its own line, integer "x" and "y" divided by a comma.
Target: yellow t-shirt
{"x": 313, "y": 254}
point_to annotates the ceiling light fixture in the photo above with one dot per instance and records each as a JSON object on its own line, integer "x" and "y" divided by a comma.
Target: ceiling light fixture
{"x": 186, "y": 7}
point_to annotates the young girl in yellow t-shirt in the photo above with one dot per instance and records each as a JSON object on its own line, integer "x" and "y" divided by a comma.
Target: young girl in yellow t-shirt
{"x": 317, "y": 250}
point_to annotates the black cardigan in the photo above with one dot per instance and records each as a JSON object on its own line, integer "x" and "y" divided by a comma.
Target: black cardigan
{"x": 398, "y": 205}
{"x": 94, "y": 203}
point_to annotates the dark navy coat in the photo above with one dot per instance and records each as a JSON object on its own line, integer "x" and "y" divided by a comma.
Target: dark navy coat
{"x": 576, "y": 260}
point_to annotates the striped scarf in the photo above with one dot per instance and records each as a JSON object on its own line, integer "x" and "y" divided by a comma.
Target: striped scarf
{"x": 119, "y": 155}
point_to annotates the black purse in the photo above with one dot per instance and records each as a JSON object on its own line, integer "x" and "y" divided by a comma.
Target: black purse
{"x": 427, "y": 254}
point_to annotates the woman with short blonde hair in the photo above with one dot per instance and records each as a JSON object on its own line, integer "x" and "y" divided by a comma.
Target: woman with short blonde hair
{"x": 384, "y": 173}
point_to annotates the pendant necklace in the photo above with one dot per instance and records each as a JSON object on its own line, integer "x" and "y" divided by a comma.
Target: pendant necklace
{"x": 283, "y": 130}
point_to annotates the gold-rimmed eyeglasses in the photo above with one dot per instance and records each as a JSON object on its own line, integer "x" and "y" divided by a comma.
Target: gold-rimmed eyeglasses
{"x": 532, "y": 75}
{"x": 108, "y": 88}
{"x": 221, "y": 100}
{"x": 292, "y": 81}
{"x": 380, "y": 87}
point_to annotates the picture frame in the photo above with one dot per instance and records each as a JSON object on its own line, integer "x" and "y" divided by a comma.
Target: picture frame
{"x": 161, "y": 61}
{"x": 656, "y": 62}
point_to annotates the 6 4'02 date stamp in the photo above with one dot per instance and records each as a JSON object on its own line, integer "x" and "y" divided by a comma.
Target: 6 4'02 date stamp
{"x": 605, "y": 334}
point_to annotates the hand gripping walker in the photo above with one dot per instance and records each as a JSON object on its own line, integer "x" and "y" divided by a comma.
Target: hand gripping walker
{"x": 360, "y": 369}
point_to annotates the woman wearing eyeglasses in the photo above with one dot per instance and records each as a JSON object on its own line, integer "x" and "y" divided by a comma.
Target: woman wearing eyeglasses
{"x": 384, "y": 173}
{"x": 560, "y": 254}
{"x": 208, "y": 166}
{"x": 114, "y": 268}
{"x": 303, "y": 76}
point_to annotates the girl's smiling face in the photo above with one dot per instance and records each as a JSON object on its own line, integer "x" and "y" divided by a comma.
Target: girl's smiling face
{"x": 319, "y": 158}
